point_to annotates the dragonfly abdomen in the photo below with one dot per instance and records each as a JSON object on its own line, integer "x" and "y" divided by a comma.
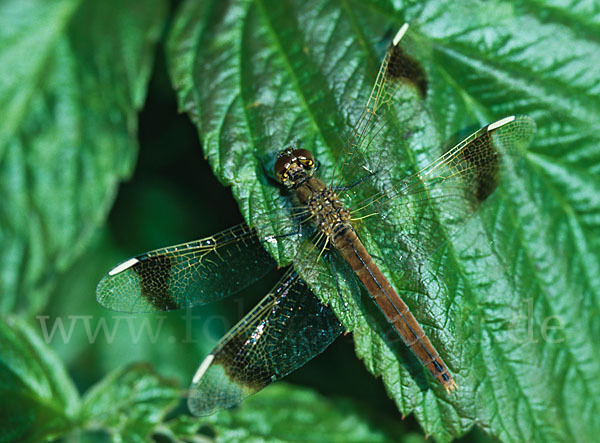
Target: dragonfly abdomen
{"x": 390, "y": 303}
{"x": 333, "y": 221}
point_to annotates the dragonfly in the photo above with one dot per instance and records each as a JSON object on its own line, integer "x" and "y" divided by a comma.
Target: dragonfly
{"x": 291, "y": 325}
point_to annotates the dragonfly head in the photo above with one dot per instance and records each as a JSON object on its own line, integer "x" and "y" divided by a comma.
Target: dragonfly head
{"x": 293, "y": 166}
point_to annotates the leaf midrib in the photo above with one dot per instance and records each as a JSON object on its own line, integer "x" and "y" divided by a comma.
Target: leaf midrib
{"x": 288, "y": 66}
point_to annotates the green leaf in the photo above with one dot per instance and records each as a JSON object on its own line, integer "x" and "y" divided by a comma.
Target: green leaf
{"x": 129, "y": 403}
{"x": 39, "y": 400}
{"x": 74, "y": 74}
{"x": 284, "y": 412}
{"x": 513, "y": 309}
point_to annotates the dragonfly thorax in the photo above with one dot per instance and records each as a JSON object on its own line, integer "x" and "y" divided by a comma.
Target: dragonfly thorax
{"x": 326, "y": 210}
{"x": 293, "y": 167}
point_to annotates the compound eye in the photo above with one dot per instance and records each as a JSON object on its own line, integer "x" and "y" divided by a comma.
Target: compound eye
{"x": 305, "y": 158}
{"x": 281, "y": 167}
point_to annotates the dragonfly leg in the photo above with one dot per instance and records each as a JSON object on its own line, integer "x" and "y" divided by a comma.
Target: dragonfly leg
{"x": 297, "y": 231}
{"x": 378, "y": 258}
{"x": 354, "y": 183}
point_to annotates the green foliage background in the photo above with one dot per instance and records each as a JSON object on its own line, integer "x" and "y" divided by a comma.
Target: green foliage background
{"x": 88, "y": 92}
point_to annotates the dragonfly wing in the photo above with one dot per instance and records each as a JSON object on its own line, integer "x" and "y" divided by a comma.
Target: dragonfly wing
{"x": 186, "y": 275}
{"x": 285, "y": 330}
{"x": 388, "y": 117}
{"x": 425, "y": 210}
